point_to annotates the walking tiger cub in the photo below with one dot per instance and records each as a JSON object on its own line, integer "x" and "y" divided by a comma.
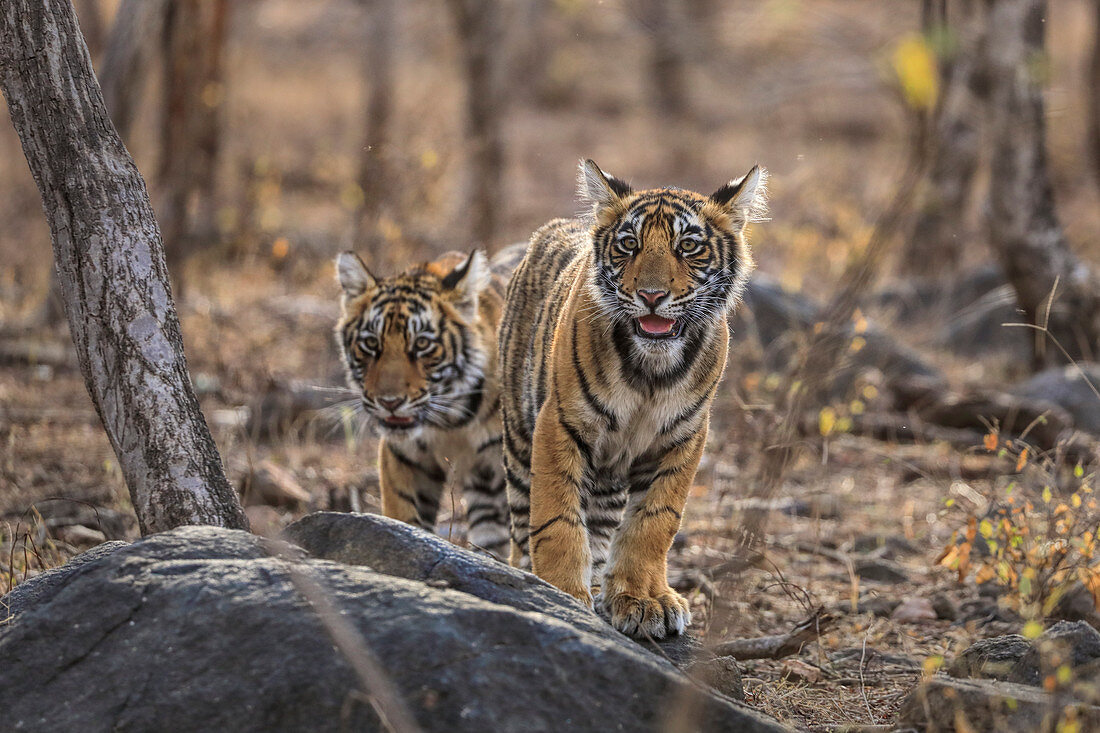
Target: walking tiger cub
{"x": 421, "y": 347}
{"x": 612, "y": 344}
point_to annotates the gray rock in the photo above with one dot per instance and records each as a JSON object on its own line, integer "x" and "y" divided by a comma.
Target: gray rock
{"x": 978, "y": 330}
{"x": 719, "y": 673}
{"x": 204, "y": 629}
{"x": 777, "y": 321}
{"x": 1067, "y": 388}
{"x": 396, "y": 548}
{"x": 882, "y": 571}
{"x": 990, "y": 658}
{"x": 29, "y": 592}
{"x": 945, "y": 607}
{"x": 1071, "y": 643}
{"x": 885, "y": 545}
{"x": 948, "y": 704}
{"x": 1077, "y": 605}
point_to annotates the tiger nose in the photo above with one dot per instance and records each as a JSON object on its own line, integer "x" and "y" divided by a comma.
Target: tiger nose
{"x": 390, "y": 403}
{"x": 653, "y": 297}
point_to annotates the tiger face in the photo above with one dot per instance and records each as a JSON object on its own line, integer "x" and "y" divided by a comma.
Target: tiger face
{"x": 669, "y": 263}
{"x": 410, "y": 343}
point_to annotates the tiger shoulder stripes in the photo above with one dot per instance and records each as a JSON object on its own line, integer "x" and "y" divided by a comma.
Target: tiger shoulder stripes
{"x": 421, "y": 348}
{"x": 613, "y": 341}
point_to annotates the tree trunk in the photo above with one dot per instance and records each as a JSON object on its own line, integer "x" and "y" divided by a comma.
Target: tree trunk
{"x": 126, "y": 58}
{"x": 1093, "y": 77}
{"x": 91, "y": 24}
{"x": 1022, "y": 220}
{"x": 375, "y": 175}
{"x": 666, "y": 65}
{"x": 478, "y": 26}
{"x": 940, "y": 231}
{"x": 193, "y": 41}
{"x": 110, "y": 262}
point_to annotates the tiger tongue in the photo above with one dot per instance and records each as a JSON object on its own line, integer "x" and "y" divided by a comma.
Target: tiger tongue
{"x": 656, "y": 325}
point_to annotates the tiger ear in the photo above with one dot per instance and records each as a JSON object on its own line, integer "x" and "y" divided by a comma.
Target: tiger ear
{"x": 466, "y": 282}
{"x": 598, "y": 188}
{"x": 353, "y": 275}
{"x": 746, "y": 198}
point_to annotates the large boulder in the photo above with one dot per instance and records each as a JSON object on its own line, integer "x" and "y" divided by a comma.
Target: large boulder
{"x": 942, "y": 704}
{"x": 1071, "y": 388}
{"x": 1010, "y": 683}
{"x": 777, "y": 321}
{"x": 208, "y": 629}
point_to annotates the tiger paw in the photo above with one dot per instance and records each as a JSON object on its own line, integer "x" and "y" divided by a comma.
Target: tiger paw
{"x": 656, "y": 617}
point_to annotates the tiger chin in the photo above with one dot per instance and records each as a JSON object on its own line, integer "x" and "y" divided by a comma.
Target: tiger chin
{"x": 421, "y": 349}
{"x": 612, "y": 344}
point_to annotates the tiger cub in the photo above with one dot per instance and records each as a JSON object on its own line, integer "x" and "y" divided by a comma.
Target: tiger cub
{"x": 612, "y": 344}
{"x": 421, "y": 348}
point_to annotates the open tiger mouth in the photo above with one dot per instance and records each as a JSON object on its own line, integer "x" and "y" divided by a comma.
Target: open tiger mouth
{"x": 393, "y": 421}
{"x": 654, "y": 326}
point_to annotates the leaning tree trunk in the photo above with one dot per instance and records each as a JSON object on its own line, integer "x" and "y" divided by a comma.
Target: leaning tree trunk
{"x": 1023, "y": 223}
{"x": 479, "y": 34}
{"x": 110, "y": 262}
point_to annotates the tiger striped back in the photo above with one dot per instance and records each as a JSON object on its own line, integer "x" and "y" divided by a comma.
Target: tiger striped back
{"x": 613, "y": 341}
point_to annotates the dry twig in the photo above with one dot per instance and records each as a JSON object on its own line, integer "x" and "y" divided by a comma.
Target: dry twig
{"x": 778, "y": 645}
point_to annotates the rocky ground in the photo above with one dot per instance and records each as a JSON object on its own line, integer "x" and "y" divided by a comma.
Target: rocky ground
{"x": 856, "y": 528}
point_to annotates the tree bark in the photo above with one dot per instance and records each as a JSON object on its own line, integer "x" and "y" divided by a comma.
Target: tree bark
{"x": 479, "y": 34}
{"x": 666, "y": 64}
{"x": 1022, "y": 220}
{"x": 940, "y": 229}
{"x": 193, "y": 42}
{"x": 110, "y": 262}
{"x": 126, "y": 58}
{"x": 1093, "y": 77}
{"x": 375, "y": 175}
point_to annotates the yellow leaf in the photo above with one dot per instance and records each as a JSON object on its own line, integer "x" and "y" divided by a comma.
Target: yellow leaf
{"x": 1046, "y": 495}
{"x": 932, "y": 664}
{"x": 985, "y": 527}
{"x": 826, "y": 421}
{"x": 860, "y": 325}
{"x": 1075, "y": 500}
{"x": 915, "y": 65}
{"x": 985, "y": 574}
{"x": 857, "y": 344}
{"x": 1032, "y": 630}
{"x": 280, "y": 248}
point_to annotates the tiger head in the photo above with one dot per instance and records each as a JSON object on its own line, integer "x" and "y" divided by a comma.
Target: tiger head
{"x": 410, "y": 341}
{"x": 669, "y": 263}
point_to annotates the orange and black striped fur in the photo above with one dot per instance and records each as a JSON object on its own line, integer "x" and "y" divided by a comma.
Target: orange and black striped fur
{"x": 613, "y": 341}
{"x": 421, "y": 347}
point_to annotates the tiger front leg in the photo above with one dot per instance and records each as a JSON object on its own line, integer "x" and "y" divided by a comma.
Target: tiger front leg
{"x": 558, "y": 538}
{"x": 636, "y": 594}
{"x": 412, "y": 484}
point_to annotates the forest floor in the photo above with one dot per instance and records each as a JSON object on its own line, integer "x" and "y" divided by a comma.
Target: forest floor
{"x": 804, "y": 88}
{"x": 855, "y": 518}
